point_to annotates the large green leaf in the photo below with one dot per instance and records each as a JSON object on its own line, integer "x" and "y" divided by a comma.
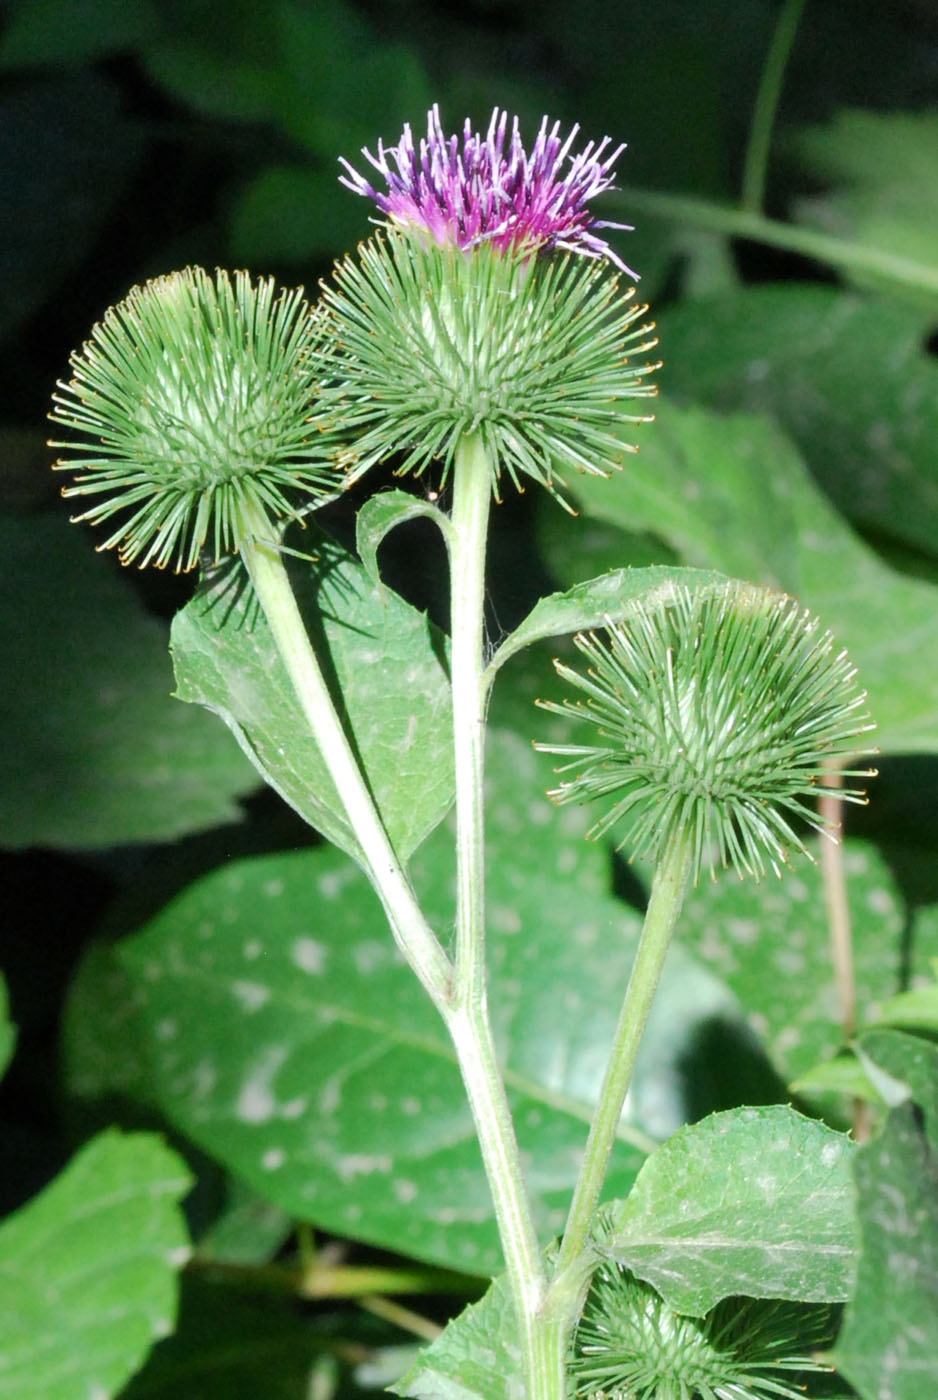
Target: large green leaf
{"x": 733, "y": 494}
{"x": 88, "y": 1271}
{"x": 847, "y": 378}
{"x": 888, "y": 1346}
{"x": 911, "y": 1063}
{"x": 287, "y": 1039}
{"x": 771, "y": 944}
{"x": 103, "y": 754}
{"x": 477, "y": 1357}
{"x": 386, "y": 663}
{"x": 756, "y": 1201}
{"x": 102, "y": 1054}
{"x": 883, "y": 167}
{"x": 527, "y": 837}
{"x": 58, "y": 32}
{"x": 291, "y": 214}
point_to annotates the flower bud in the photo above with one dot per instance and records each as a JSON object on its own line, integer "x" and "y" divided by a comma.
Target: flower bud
{"x": 190, "y": 409}
{"x": 716, "y": 714}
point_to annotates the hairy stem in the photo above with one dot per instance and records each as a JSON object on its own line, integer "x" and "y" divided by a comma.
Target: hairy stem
{"x": 664, "y": 906}
{"x": 468, "y": 1022}
{"x": 412, "y": 933}
{"x": 763, "y": 116}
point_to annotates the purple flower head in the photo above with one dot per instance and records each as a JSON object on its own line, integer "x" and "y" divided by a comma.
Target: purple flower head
{"x": 483, "y": 194}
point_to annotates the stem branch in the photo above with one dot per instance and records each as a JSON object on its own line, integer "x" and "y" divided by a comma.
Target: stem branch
{"x": 664, "y": 905}
{"x": 740, "y": 223}
{"x": 411, "y": 931}
{"x": 468, "y": 1021}
{"x": 763, "y": 115}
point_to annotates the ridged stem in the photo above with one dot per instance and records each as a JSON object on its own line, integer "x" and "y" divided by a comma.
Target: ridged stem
{"x": 469, "y": 1023}
{"x": 411, "y": 931}
{"x": 664, "y": 906}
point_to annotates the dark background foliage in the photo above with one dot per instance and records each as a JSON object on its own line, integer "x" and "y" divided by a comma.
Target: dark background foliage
{"x": 137, "y": 136}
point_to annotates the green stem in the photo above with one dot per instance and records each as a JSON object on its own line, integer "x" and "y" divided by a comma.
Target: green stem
{"x": 468, "y": 1022}
{"x": 472, "y": 496}
{"x": 413, "y": 935}
{"x": 324, "y": 1280}
{"x": 763, "y": 116}
{"x": 739, "y": 223}
{"x": 664, "y": 906}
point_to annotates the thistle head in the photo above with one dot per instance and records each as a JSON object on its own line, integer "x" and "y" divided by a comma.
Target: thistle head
{"x": 465, "y": 193}
{"x": 716, "y": 715}
{"x": 536, "y": 356}
{"x": 630, "y": 1345}
{"x": 189, "y": 414}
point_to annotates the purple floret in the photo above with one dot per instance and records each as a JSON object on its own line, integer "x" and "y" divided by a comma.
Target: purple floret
{"x": 480, "y": 193}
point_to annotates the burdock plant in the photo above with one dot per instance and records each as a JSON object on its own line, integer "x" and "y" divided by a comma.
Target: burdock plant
{"x": 487, "y": 333}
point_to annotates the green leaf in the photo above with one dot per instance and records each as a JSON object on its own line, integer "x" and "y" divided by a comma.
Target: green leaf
{"x": 102, "y": 1055}
{"x": 104, "y": 753}
{"x": 888, "y": 1345}
{"x": 236, "y": 89}
{"x": 771, "y": 945}
{"x": 247, "y": 1231}
{"x": 385, "y": 661}
{"x": 58, "y": 32}
{"x": 477, "y": 1356}
{"x": 381, "y": 513}
{"x": 88, "y": 1271}
{"x": 883, "y": 167}
{"x": 733, "y": 494}
{"x": 290, "y": 215}
{"x": 612, "y": 597}
{"x": 847, "y": 378}
{"x": 912, "y": 1065}
{"x": 842, "y": 1075}
{"x": 756, "y": 1201}
{"x": 525, "y": 834}
{"x": 287, "y": 1039}
{"x": 366, "y": 84}
{"x": 7, "y": 1029}
{"x": 915, "y": 1010}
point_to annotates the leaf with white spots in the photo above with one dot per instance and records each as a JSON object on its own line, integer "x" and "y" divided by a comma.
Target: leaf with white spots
{"x": 477, "y": 1356}
{"x": 288, "y": 1040}
{"x": 888, "y": 1345}
{"x": 101, "y": 1051}
{"x": 732, "y": 493}
{"x": 755, "y": 1201}
{"x": 103, "y": 755}
{"x": 865, "y": 423}
{"x": 385, "y": 665}
{"x": 910, "y": 1066}
{"x": 88, "y": 1271}
{"x": 770, "y": 943}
